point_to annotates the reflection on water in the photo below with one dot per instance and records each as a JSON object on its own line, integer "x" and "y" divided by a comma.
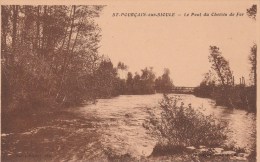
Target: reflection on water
{"x": 122, "y": 118}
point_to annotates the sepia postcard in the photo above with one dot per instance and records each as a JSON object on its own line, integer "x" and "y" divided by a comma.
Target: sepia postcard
{"x": 126, "y": 81}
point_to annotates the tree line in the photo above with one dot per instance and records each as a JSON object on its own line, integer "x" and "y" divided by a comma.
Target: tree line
{"x": 50, "y": 57}
{"x": 147, "y": 83}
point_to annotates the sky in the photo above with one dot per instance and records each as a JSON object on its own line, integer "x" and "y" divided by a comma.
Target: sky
{"x": 179, "y": 43}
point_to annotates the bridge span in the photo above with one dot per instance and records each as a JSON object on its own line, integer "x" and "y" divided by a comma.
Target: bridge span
{"x": 183, "y": 90}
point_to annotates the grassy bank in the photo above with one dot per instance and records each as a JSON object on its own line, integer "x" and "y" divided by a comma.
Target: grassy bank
{"x": 238, "y": 96}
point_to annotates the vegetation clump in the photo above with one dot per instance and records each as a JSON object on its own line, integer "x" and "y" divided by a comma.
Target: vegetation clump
{"x": 184, "y": 126}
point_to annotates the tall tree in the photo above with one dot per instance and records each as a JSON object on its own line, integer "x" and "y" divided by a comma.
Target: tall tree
{"x": 129, "y": 83}
{"x": 122, "y": 67}
{"x": 137, "y": 85}
{"x": 148, "y": 80}
{"x": 106, "y": 79}
{"x": 221, "y": 66}
{"x": 164, "y": 83}
{"x": 252, "y": 59}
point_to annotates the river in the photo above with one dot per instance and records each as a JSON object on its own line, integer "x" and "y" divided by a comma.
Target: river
{"x": 122, "y": 117}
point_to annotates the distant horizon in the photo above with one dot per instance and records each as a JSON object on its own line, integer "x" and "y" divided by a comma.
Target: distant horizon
{"x": 171, "y": 42}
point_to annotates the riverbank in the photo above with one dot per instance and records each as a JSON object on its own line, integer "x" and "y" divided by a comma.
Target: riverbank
{"x": 200, "y": 153}
{"x": 238, "y": 96}
{"x": 47, "y": 136}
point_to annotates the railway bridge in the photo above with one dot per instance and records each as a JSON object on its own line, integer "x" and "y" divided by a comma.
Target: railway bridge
{"x": 183, "y": 90}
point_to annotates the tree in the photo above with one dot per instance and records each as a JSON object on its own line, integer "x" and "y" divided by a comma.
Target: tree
{"x": 106, "y": 81}
{"x": 251, "y": 12}
{"x": 129, "y": 83}
{"x": 121, "y": 66}
{"x": 221, "y": 66}
{"x": 207, "y": 86}
{"x": 252, "y": 59}
{"x": 148, "y": 80}
{"x": 164, "y": 83}
{"x": 50, "y": 53}
{"x": 137, "y": 85}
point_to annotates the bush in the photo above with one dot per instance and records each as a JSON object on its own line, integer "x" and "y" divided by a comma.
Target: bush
{"x": 185, "y": 126}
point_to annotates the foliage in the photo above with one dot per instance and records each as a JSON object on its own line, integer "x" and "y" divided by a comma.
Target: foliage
{"x": 251, "y": 12}
{"x": 147, "y": 83}
{"x": 137, "y": 84}
{"x": 141, "y": 84}
{"x": 185, "y": 126}
{"x": 220, "y": 66}
{"x": 122, "y": 66}
{"x": 164, "y": 83}
{"x": 147, "y": 80}
{"x": 107, "y": 84}
{"x": 207, "y": 86}
{"x": 49, "y": 54}
{"x": 50, "y": 57}
{"x": 129, "y": 83}
{"x": 252, "y": 59}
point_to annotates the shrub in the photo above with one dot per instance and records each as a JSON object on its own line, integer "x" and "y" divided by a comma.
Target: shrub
{"x": 185, "y": 126}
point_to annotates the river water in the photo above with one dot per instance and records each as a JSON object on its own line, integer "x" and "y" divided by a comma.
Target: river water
{"x": 122, "y": 118}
